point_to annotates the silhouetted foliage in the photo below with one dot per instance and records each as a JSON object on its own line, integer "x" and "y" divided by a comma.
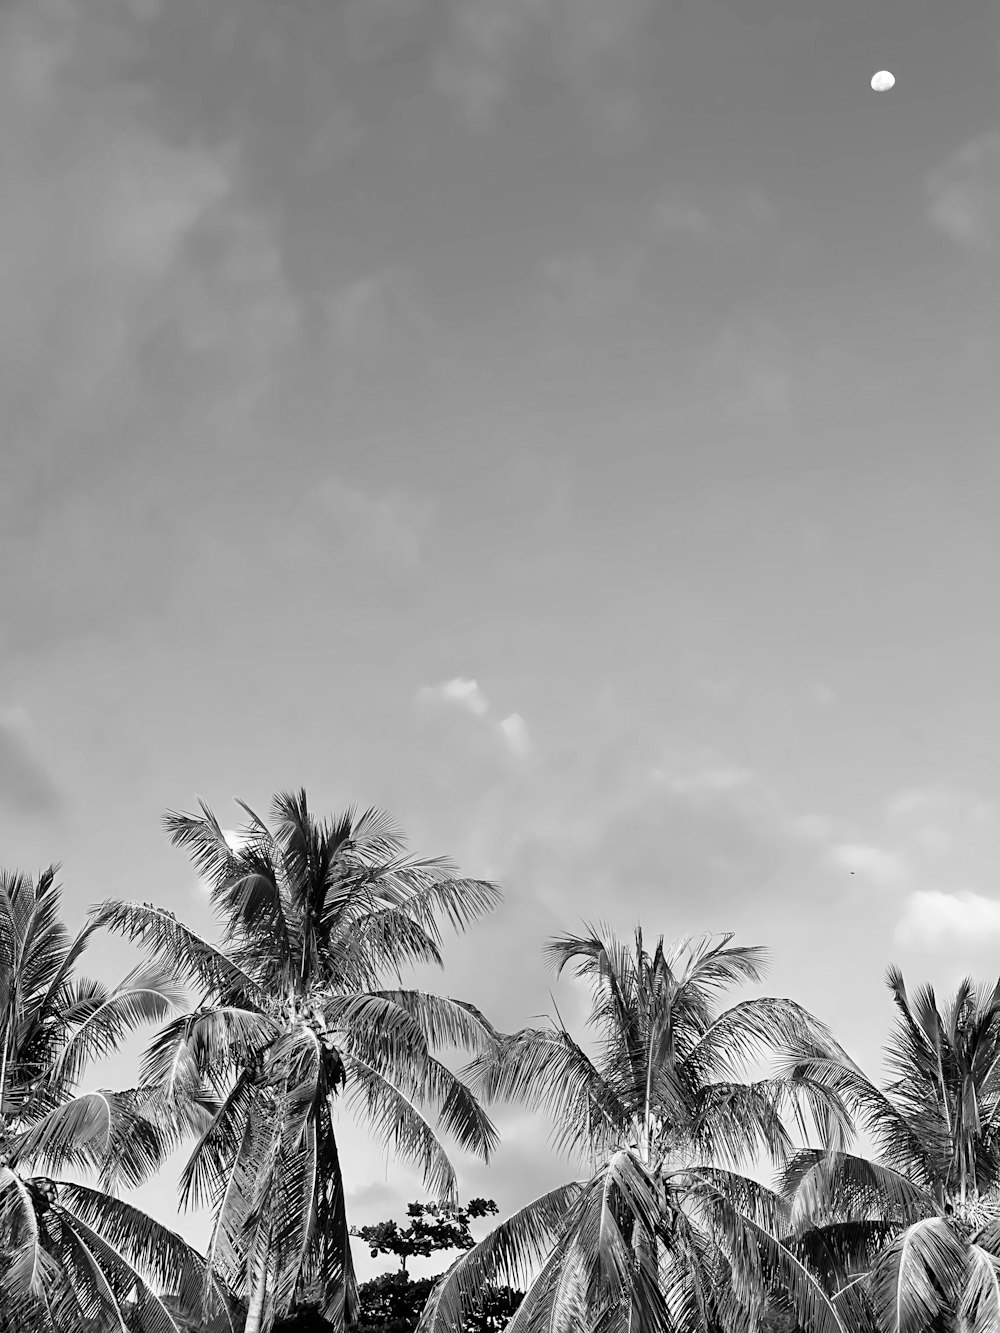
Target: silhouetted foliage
{"x": 393, "y": 1302}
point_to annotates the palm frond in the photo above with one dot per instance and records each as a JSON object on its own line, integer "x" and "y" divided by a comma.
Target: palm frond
{"x": 980, "y": 1308}
{"x": 159, "y": 1257}
{"x": 823, "y": 1185}
{"x": 918, "y": 1277}
{"x": 761, "y": 1262}
{"x": 749, "y": 1030}
{"x": 19, "y": 1239}
{"x": 399, "y": 1124}
{"x": 546, "y": 1070}
{"x": 507, "y": 1255}
{"x": 147, "y": 995}
{"x": 191, "y": 958}
{"x": 101, "y": 1129}
{"x": 445, "y": 1023}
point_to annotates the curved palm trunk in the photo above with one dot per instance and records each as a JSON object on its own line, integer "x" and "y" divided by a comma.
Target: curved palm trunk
{"x": 258, "y": 1294}
{"x": 255, "y": 1311}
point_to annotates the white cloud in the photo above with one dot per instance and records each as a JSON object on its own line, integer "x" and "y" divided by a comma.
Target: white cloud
{"x": 515, "y": 729}
{"x": 932, "y": 920}
{"x": 466, "y": 693}
{"x": 964, "y": 194}
{"x": 873, "y": 863}
{"x": 467, "y": 696}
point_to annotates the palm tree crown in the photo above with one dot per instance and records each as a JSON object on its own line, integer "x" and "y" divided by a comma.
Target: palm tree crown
{"x": 664, "y": 1233}
{"x": 910, "y": 1240}
{"x": 293, "y": 1010}
{"x": 73, "y": 1256}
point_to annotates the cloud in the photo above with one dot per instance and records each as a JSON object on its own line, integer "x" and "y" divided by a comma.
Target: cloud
{"x": 736, "y": 217}
{"x": 964, "y": 195}
{"x": 515, "y": 729}
{"x": 585, "y": 285}
{"x": 467, "y": 696}
{"x": 465, "y": 693}
{"x": 145, "y": 317}
{"x": 951, "y": 831}
{"x": 704, "y": 780}
{"x": 374, "y": 311}
{"x": 749, "y": 369}
{"x": 117, "y": 239}
{"x": 26, "y": 787}
{"x": 381, "y": 533}
{"x": 932, "y": 920}
{"x": 589, "y": 46}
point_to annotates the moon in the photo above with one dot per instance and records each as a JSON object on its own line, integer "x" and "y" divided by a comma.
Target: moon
{"x": 883, "y": 81}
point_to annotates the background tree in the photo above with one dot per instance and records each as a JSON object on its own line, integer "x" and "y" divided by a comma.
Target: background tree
{"x": 664, "y": 1233}
{"x": 72, "y": 1255}
{"x": 295, "y": 1012}
{"x": 909, "y": 1240}
{"x": 392, "y": 1302}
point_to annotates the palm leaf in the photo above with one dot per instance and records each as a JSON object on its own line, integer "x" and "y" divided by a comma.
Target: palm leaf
{"x": 980, "y": 1308}
{"x": 191, "y": 958}
{"x": 918, "y": 1277}
{"x": 507, "y": 1255}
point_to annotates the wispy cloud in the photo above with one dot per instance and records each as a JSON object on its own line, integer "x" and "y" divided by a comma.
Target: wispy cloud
{"x": 964, "y": 195}
{"x": 145, "y": 314}
{"x": 353, "y": 528}
{"x": 590, "y": 46}
{"x": 750, "y": 367}
{"x": 466, "y": 695}
{"x": 515, "y": 730}
{"x": 375, "y": 310}
{"x": 933, "y": 920}
{"x": 734, "y": 217}
{"x": 586, "y": 285}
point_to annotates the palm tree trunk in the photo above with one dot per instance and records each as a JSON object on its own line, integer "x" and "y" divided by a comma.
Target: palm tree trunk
{"x": 255, "y": 1310}
{"x": 258, "y": 1294}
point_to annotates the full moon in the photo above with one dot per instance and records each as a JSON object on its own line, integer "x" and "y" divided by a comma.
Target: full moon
{"x": 883, "y": 81}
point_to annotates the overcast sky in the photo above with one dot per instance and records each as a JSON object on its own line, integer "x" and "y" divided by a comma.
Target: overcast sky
{"x": 569, "y": 424}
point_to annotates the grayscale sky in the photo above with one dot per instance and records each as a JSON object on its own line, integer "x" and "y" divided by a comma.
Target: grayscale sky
{"x": 571, "y": 424}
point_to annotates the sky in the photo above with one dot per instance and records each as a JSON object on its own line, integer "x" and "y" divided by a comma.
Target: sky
{"x": 571, "y": 426}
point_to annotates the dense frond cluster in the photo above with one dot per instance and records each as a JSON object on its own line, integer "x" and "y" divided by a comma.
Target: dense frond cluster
{"x": 668, "y": 1103}
{"x": 297, "y": 1012}
{"x": 910, "y": 1241}
{"x": 74, "y": 1257}
{"x": 664, "y": 1234}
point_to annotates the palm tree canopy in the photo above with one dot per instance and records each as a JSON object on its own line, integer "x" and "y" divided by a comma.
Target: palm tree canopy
{"x": 663, "y": 1233}
{"x": 74, "y": 1255}
{"x": 302, "y": 1001}
{"x": 912, "y": 1238}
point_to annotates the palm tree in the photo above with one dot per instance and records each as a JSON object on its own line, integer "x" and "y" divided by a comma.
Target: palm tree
{"x": 662, "y": 1233}
{"x": 72, "y": 1255}
{"x": 293, "y": 1012}
{"x": 909, "y": 1240}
